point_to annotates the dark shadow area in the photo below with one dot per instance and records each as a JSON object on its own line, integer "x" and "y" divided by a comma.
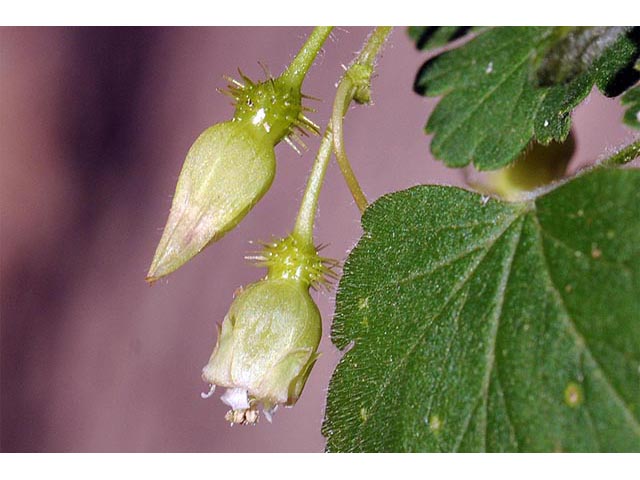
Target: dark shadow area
{"x": 97, "y": 123}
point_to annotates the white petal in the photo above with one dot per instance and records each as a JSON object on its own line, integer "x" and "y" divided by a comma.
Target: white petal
{"x": 236, "y": 398}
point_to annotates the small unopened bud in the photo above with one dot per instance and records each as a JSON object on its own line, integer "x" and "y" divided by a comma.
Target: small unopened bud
{"x": 227, "y": 170}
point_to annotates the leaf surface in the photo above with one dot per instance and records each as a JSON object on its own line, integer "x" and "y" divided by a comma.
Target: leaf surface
{"x": 512, "y": 85}
{"x": 481, "y": 325}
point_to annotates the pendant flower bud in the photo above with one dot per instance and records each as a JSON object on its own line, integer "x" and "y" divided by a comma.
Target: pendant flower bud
{"x": 268, "y": 341}
{"x": 229, "y": 168}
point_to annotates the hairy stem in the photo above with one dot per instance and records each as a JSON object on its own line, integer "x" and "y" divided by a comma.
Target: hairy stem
{"x": 345, "y": 93}
{"x": 626, "y": 155}
{"x": 303, "y": 229}
{"x": 355, "y": 85}
{"x": 342, "y": 101}
{"x": 376, "y": 40}
{"x": 299, "y": 66}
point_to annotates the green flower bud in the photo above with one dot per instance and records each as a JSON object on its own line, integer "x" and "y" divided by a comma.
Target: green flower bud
{"x": 268, "y": 340}
{"x": 229, "y": 168}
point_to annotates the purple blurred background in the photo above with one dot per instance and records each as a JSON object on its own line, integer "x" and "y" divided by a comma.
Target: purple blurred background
{"x": 95, "y": 126}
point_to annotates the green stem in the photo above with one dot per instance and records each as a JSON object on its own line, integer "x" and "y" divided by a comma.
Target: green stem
{"x": 344, "y": 96}
{"x": 303, "y": 228}
{"x": 374, "y": 43}
{"x": 298, "y": 68}
{"x": 356, "y": 81}
{"x": 626, "y": 155}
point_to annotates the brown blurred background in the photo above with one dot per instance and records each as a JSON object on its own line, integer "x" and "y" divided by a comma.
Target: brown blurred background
{"x": 95, "y": 124}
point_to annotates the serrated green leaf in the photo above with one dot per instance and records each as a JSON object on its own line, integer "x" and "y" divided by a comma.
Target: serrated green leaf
{"x": 427, "y": 38}
{"x": 482, "y": 325}
{"x": 631, "y": 100}
{"x": 505, "y": 88}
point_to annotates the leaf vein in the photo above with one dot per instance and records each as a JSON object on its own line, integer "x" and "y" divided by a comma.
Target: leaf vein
{"x": 512, "y": 428}
{"x": 447, "y": 261}
{"x": 506, "y": 274}
{"x": 580, "y": 338}
{"x": 419, "y": 338}
{"x": 462, "y": 121}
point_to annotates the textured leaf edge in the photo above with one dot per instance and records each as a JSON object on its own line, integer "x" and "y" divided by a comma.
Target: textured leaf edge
{"x": 514, "y": 224}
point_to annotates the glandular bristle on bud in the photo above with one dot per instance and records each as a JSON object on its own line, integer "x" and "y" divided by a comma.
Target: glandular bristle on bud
{"x": 291, "y": 258}
{"x": 230, "y": 167}
{"x": 274, "y": 107}
{"x": 227, "y": 170}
